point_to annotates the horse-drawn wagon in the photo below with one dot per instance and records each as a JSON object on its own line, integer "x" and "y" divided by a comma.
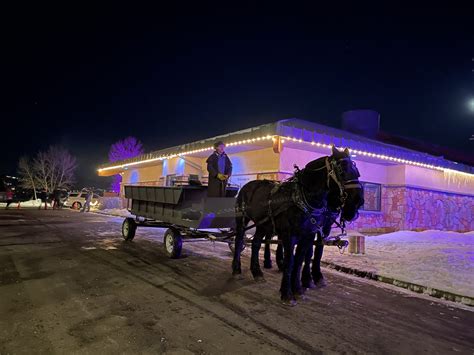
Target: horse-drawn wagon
{"x": 185, "y": 211}
{"x": 297, "y": 210}
{"x": 188, "y": 215}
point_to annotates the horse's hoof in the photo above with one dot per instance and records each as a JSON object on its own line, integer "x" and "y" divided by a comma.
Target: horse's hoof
{"x": 237, "y": 275}
{"x": 259, "y": 279}
{"x": 309, "y": 285}
{"x": 267, "y": 265}
{"x": 300, "y": 296}
{"x": 321, "y": 283}
{"x": 289, "y": 302}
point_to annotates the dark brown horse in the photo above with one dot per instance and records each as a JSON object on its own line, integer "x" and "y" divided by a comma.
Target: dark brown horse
{"x": 296, "y": 210}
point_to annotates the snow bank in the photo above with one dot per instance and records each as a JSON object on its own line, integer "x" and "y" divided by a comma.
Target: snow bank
{"x": 120, "y": 212}
{"x": 31, "y": 203}
{"x": 109, "y": 203}
{"x": 436, "y": 259}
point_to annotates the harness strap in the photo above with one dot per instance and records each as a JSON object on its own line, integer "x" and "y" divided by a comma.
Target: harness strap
{"x": 332, "y": 174}
{"x": 352, "y": 184}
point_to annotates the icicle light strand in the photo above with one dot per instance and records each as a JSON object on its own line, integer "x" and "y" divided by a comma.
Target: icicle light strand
{"x": 296, "y": 140}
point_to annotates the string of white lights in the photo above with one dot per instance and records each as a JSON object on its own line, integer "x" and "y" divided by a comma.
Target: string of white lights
{"x": 291, "y": 139}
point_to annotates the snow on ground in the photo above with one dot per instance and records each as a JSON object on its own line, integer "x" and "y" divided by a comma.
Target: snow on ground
{"x": 31, "y": 203}
{"x": 120, "y": 212}
{"x": 436, "y": 259}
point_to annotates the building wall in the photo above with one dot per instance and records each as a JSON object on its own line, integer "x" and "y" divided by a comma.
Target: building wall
{"x": 370, "y": 172}
{"x": 390, "y": 218}
{"x": 173, "y": 166}
{"x": 435, "y": 180}
{"x": 405, "y": 207}
{"x": 195, "y": 165}
{"x": 142, "y": 175}
{"x": 290, "y": 156}
{"x": 411, "y": 197}
{"x": 427, "y": 209}
{"x": 247, "y": 165}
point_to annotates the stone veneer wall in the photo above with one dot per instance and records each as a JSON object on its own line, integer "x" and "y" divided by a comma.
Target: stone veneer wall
{"x": 427, "y": 209}
{"x": 413, "y": 208}
{"x": 390, "y": 219}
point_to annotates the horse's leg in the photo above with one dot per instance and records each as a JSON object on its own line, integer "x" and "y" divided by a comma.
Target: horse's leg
{"x": 285, "y": 289}
{"x": 300, "y": 255}
{"x": 267, "y": 255}
{"x": 240, "y": 222}
{"x": 318, "y": 277}
{"x": 279, "y": 256}
{"x": 254, "y": 259}
{"x": 306, "y": 278}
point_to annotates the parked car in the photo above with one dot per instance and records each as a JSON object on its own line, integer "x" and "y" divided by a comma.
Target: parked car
{"x": 77, "y": 199}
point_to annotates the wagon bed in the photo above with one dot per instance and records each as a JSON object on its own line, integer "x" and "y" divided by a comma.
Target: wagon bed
{"x": 185, "y": 211}
{"x": 186, "y": 206}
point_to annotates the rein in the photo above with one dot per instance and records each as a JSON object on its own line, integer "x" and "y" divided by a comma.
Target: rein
{"x": 300, "y": 199}
{"x": 334, "y": 172}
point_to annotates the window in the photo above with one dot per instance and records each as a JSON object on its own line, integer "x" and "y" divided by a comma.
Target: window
{"x": 372, "y": 196}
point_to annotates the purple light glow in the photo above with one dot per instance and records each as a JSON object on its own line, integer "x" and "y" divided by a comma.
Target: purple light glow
{"x": 127, "y": 148}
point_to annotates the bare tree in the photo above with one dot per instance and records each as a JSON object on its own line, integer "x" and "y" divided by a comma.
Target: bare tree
{"x": 42, "y": 171}
{"x": 64, "y": 167}
{"x": 27, "y": 174}
{"x": 54, "y": 169}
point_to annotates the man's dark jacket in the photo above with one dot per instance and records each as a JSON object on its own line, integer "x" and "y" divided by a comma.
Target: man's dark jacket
{"x": 216, "y": 187}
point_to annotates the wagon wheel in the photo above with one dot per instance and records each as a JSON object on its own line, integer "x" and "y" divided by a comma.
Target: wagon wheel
{"x": 173, "y": 243}
{"x": 129, "y": 227}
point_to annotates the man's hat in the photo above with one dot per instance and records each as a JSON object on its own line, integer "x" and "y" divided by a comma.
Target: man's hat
{"x": 218, "y": 143}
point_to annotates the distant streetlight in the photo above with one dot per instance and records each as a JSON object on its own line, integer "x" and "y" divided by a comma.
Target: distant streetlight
{"x": 471, "y": 104}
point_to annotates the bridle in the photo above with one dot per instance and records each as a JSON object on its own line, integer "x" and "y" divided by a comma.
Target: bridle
{"x": 336, "y": 173}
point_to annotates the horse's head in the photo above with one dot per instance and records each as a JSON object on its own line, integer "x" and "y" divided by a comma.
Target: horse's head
{"x": 345, "y": 190}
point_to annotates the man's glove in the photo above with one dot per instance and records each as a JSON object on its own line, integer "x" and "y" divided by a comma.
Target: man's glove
{"x": 221, "y": 177}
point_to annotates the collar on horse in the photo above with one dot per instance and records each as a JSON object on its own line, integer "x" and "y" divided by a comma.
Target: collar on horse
{"x": 298, "y": 196}
{"x": 334, "y": 172}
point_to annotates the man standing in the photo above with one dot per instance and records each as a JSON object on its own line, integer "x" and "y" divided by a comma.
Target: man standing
{"x": 9, "y": 195}
{"x": 219, "y": 167}
{"x": 87, "y": 204}
{"x": 56, "y": 198}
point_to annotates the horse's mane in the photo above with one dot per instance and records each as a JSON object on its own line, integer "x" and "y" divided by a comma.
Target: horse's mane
{"x": 316, "y": 164}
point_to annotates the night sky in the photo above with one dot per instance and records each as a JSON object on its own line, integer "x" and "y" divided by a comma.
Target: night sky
{"x": 85, "y": 79}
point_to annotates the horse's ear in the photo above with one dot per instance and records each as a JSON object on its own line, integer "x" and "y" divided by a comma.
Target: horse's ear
{"x": 334, "y": 150}
{"x": 346, "y": 151}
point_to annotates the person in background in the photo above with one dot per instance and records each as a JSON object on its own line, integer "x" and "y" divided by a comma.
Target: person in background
{"x": 63, "y": 198}
{"x": 9, "y": 195}
{"x": 87, "y": 204}
{"x": 219, "y": 167}
{"x": 56, "y": 199}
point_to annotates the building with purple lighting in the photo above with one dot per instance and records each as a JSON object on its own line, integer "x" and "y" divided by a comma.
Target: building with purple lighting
{"x": 404, "y": 188}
